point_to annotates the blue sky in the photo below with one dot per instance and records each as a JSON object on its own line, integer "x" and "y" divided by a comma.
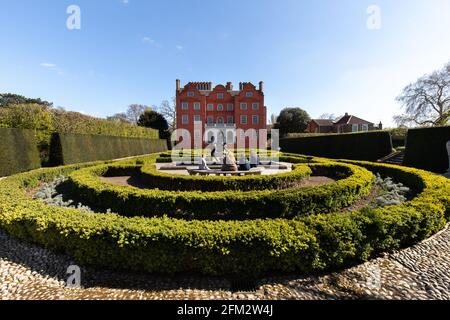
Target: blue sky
{"x": 318, "y": 55}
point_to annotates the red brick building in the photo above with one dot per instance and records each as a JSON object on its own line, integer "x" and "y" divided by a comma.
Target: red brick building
{"x": 345, "y": 124}
{"x": 221, "y": 111}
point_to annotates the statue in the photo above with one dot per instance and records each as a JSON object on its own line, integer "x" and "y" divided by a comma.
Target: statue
{"x": 229, "y": 162}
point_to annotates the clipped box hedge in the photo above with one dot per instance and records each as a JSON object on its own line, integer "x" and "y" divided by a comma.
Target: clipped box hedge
{"x": 369, "y": 146}
{"x": 18, "y": 151}
{"x": 314, "y": 243}
{"x": 426, "y": 148}
{"x": 355, "y": 182}
{"x": 67, "y": 148}
{"x": 155, "y": 179}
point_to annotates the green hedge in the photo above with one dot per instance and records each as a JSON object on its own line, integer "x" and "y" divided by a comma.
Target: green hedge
{"x": 369, "y": 146}
{"x": 76, "y": 148}
{"x": 426, "y": 149}
{"x": 18, "y": 151}
{"x": 355, "y": 183}
{"x": 315, "y": 243}
{"x": 155, "y": 179}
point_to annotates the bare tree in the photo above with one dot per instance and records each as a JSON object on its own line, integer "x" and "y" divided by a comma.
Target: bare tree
{"x": 134, "y": 112}
{"x": 427, "y": 101}
{"x": 328, "y": 116}
{"x": 168, "y": 110}
{"x": 120, "y": 117}
{"x": 273, "y": 119}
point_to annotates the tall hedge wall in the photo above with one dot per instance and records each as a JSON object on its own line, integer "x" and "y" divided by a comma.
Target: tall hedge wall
{"x": 18, "y": 151}
{"x": 369, "y": 146}
{"x": 426, "y": 148}
{"x": 69, "y": 148}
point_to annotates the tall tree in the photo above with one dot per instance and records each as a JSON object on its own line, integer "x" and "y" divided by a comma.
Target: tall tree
{"x": 168, "y": 110}
{"x": 134, "y": 111}
{"x": 154, "y": 120}
{"x": 427, "y": 101}
{"x": 15, "y": 99}
{"x": 292, "y": 120}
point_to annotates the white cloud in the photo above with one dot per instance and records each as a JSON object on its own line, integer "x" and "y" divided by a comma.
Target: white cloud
{"x": 125, "y": 2}
{"x": 48, "y": 65}
{"x": 179, "y": 47}
{"x": 150, "y": 41}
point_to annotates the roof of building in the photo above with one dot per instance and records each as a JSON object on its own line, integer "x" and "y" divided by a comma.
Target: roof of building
{"x": 323, "y": 122}
{"x": 349, "y": 119}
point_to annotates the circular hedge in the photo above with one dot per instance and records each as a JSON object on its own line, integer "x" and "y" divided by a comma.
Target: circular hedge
{"x": 355, "y": 182}
{"x": 155, "y": 179}
{"x": 313, "y": 243}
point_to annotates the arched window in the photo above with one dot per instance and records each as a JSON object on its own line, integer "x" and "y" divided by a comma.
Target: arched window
{"x": 220, "y": 120}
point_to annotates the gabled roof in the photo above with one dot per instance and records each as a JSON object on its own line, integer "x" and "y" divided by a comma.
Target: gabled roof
{"x": 323, "y": 122}
{"x": 349, "y": 119}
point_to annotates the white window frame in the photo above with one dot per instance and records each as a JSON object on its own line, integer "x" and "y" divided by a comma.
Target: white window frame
{"x": 230, "y": 107}
{"x": 208, "y": 120}
{"x": 243, "y": 106}
{"x": 249, "y": 94}
{"x": 253, "y": 119}
{"x": 220, "y": 96}
{"x": 353, "y": 128}
{"x": 220, "y": 120}
{"x": 244, "y": 117}
{"x": 365, "y": 127}
{"x": 196, "y": 116}
{"x": 230, "y": 118}
{"x": 210, "y": 107}
{"x": 184, "y": 106}
{"x": 197, "y": 104}
{"x": 190, "y": 94}
{"x": 220, "y": 107}
{"x": 185, "y": 119}
{"x": 255, "y": 105}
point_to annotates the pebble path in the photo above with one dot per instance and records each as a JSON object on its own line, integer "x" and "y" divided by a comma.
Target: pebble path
{"x": 419, "y": 272}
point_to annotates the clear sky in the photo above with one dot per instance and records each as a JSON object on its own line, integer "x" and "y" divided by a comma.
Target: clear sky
{"x": 318, "y": 55}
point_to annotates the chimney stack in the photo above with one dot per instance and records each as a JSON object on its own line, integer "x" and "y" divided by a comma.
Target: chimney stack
{"x": 261, "y": 86}
{"x": 229, "y": 86}
{"x": 380, "y": 126}
{"x": 240, "y": 86}
{"x": 178, "y": 84}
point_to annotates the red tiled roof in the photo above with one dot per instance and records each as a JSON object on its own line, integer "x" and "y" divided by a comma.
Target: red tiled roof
{"x": 323, "y": 122}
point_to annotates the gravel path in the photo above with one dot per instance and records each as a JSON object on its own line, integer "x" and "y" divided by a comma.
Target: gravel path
{"x": 419, "y": 272}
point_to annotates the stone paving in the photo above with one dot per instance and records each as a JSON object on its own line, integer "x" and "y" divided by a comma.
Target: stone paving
{"x": 420, "y": 272}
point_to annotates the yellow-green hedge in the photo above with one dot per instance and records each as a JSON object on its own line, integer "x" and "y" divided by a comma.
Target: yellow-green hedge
{"x": 313, "y": 243}
{"x": 355, "y": 183}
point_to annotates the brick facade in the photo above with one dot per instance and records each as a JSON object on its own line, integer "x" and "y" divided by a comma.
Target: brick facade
{"x": 220, "y": 111}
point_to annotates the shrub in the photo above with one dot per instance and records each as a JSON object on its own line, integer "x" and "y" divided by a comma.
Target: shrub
{"x": 18, "y": 151}
{"x": 426, "y": 149}
{"x": 355, "y": 182}
{"x": 315, "y": 243}
{"x": 77, "y": 123}
{"x": 45, "y": 120}
{"x": 354, "y": 146}
{"x": 156, "y": 179}
{"x": 75, "y": 148}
